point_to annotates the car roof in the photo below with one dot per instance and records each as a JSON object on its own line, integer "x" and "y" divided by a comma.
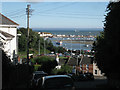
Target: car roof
{"x": 39, "y": 72}
{"x": 56, "y": 76}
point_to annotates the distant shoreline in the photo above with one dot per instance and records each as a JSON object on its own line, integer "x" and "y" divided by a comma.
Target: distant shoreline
{"x": 79, "y": 42}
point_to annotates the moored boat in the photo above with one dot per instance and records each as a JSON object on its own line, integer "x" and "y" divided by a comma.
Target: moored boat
{"x": 59, "y": 42}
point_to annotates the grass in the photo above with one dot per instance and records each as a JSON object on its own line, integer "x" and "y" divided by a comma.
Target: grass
{"x": 63, "y": 57}
{"x": 23, "y": 54}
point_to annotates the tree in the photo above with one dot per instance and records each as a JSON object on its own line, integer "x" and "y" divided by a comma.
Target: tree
{"x": 107, "y": 46}
{"x": 98, "y": 47}
{"x": 15, "y": 76}
{"x": 22, "y": 39}
{"x": 6, "y": 70}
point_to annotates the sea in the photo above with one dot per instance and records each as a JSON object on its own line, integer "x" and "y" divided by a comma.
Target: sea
{"x": 74, "y": 44}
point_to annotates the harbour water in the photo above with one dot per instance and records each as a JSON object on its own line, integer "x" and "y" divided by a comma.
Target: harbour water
{"x": 73, "y": 43}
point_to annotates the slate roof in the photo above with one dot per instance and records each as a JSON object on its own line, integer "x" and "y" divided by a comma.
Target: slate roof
{"x": 7, "y": 35}
{"x": 86, "y": 60}
{"x": 6, "y": 21}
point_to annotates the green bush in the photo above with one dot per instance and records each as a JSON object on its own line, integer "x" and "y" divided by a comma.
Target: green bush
{"x": 65, "y": 69}
{"x": 46, "y": 63}
{"x": 36, "y": 67}
{"x": 42, "y": 59}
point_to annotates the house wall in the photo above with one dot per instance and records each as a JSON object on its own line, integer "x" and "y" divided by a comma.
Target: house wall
{"x": 96, "y": 70}
{"x": 11, "y": 45}
{"x": 85, "y": 68}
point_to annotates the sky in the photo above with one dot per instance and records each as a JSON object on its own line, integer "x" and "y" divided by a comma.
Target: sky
{"x": 57, "y": 14}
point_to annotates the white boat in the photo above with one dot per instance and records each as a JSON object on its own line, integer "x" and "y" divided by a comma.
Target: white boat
{"x": 86, "y": 45}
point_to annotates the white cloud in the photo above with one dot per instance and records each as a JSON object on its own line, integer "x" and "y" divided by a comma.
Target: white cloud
{"x": 57, "y": 0}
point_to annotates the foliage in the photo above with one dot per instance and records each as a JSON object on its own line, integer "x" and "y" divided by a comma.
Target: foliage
{"x": 15, "y": 76}
{"x": 47, "y": 63}
{"x": 36, "y": 66}
{"x": 107, "y": 46}
{"x": 98, "y": 47}
{"x": 42, "y": 59}
{"x": 33, "y": 40}
{"x": 65, "y": 69}
{"x": 6, "y": 70}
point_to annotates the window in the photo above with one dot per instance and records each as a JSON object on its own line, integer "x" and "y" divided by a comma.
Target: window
{"x": 95, "y": 71}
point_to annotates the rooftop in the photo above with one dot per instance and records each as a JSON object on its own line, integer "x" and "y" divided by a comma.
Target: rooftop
{"x": 86, "y": 60}
{"x": 6, "y": 21}
{"x": 7, "y": 35}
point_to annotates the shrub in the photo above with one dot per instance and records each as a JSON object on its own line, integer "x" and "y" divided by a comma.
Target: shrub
{"x": 36, "y": 67}
{"x": 46, "y": 63}
{"x": 65, "y": 69}
{"x": 42, "y": 59}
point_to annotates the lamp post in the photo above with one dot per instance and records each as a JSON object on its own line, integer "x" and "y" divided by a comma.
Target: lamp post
{"x": 44, "y": 46}
{"x": 71, "y": 47}
{"x": 80, "y": 48}
{"x": 39, "y": 46}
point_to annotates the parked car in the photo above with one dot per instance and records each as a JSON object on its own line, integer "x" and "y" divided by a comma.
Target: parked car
{"x": 73, "y": 76}
{"x": 82, "y": 77}
{"x": 86, "y": 76}
{"x": 36, "y": 76}
{"x": 89, "y": 76}
{"x": 56, "y": 82}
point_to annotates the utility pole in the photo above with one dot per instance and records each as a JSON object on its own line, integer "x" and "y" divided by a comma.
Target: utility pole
{"x": 28, "y": 13}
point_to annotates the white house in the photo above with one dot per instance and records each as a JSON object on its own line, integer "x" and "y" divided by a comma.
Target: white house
{"x": 8, "y": 36}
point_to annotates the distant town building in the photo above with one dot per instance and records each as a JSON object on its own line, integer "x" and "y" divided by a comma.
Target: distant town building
{"x": 45, "y": 34}
{"x": 8, "y": 36}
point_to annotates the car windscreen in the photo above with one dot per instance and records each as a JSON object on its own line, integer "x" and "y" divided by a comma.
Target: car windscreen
{"x": 61, "y": 82}
{"x": 37, "y": 76}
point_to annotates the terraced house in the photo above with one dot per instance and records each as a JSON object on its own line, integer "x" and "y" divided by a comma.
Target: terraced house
{"x": 89, "y": 65}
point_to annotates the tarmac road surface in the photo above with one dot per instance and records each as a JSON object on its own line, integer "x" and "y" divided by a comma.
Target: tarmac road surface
{"x": 97, "y": 83}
